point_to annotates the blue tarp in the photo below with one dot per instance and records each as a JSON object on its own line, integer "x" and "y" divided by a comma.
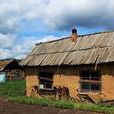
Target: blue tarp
{"x": 2, "y": 77}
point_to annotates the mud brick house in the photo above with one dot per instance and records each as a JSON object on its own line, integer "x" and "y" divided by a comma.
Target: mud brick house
{"x": 11, "y": 70}
{"x": 84, "y": 64}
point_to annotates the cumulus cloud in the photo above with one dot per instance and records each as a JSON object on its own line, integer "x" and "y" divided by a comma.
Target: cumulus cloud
{"x": 6, "y": 40}
{"x": 63, "y": 14}
{"x": 57, "y": 14}
{"x": 83, "y": 13}
{"x": 4, "y": 53}
{"x": 13, "y": 12}
{"x": 22, "y": 48}
{"x": 28, "y": 43}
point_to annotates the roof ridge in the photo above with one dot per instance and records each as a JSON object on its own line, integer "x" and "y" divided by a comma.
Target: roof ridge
{"x": 78, "y": 36}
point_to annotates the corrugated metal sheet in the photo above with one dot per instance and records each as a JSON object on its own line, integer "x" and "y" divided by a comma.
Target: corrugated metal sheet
{"x": 88, "y": 49}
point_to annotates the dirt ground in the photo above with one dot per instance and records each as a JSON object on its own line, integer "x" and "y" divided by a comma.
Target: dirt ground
{"x": 12, "y": 108}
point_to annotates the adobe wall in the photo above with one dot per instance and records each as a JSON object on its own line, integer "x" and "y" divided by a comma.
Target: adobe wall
{"x": 70, "y": 77}
{"x": 107, "y": 81}
{"x": 31, "y": 79}
{"x": 67, "y": 77}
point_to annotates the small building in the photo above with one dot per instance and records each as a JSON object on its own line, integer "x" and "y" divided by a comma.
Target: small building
{"x": 10, "y": 70}
{"x": 83, "y": 64}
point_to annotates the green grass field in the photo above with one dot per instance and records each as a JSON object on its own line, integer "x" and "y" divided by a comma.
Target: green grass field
{"x": 63, "y": 104}
{"x": 12, "y": 88}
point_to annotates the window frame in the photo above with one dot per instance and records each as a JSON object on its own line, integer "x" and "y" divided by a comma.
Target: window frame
{"x": 90, "y": 81}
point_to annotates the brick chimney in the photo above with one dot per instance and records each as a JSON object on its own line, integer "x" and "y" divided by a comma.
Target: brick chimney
{"x": 74, "y": 35}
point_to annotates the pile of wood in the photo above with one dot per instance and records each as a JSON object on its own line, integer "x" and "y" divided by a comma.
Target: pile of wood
{"x": 85, "y": 98}
{"x": 34, "y": 91}
{"x": 61, "y": 93}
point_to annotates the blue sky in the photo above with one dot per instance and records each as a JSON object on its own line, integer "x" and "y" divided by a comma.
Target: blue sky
{"x": 23, "y": 23}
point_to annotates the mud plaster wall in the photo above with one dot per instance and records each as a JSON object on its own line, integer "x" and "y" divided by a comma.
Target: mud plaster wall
{"x": 107, "y": 81}
{"x": 70, "y": 77}
{"x": 67, "y": 77}
{"x": 31, "y": 80}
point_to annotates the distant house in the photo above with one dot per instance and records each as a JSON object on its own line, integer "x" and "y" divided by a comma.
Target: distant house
{"x": 10, "y": 70}
{"x": 83, "y": 64}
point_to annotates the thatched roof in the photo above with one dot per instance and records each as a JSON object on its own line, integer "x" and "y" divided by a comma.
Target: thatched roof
{"x": 88, "y": 49}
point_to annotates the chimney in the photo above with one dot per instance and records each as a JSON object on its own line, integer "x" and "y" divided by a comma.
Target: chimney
{"x": 74, "y": 35}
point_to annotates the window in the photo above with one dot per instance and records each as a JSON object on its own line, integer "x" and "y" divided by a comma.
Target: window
{"x": 90, "y": 81}
{"x": 46, "y": 80}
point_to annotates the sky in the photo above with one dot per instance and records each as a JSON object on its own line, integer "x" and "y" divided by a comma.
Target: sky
{"x": 23, "y": 23}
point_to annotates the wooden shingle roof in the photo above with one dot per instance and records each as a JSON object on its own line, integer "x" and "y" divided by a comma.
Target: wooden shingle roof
{"x": 88, "y": 49}
{"x": 10, "y": 64}
{"x": 4, "y": 63}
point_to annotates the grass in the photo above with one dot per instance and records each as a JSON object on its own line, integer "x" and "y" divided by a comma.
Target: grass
{"x": 12, "y": 88}
{"x": 62, "y": 104}
{"x": 15, "y": 91}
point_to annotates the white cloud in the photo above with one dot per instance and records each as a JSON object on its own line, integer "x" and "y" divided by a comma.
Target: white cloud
{"x": 84, "y": 13}
{"x": 48, "y": 38}
{"x": 57, "y": 14}
{"x": 12, "y": 12}
{"x": 4, "y": 53}
{"x": 22, "y": 48}
{"x": 6, "y": 40}
{"x": 25, "y": 46}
